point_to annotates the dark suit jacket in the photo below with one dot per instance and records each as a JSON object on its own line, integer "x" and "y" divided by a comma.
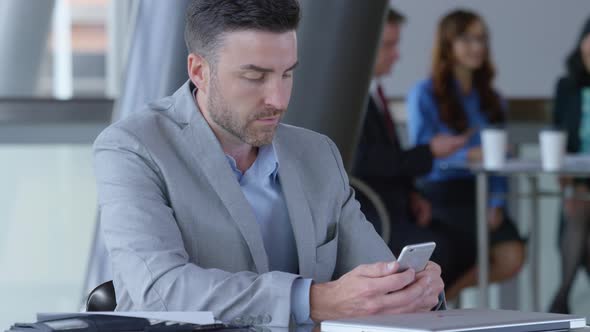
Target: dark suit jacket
{"x": 386, "y": 167}
{"x": 567, "y": 114}
{"x": 567, "y": 111}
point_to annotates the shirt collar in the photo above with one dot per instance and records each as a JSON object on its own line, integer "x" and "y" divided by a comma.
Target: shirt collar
{"x": 268, "y": 161}
{"x": 266, "y": 164}
{"x": 373, "y": 86}
{"x": 375, "y": 83}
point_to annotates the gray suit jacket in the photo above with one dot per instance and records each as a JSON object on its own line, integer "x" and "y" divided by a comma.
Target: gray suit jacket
{"x": 182, "y": 236}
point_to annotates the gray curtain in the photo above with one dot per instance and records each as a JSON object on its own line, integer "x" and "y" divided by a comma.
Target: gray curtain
{"x": 157, "y": 57}
{"x": 156, "y": 67}
{"x": 24, "y": 44}
{"x": 337, "y": 43}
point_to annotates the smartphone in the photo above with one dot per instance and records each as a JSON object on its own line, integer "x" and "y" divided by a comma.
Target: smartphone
{"x": 415, "y": 256}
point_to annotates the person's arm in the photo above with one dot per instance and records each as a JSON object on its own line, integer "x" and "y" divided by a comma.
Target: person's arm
{"x": 377, "y": 157}
{"x": 413, "y": 162}
{"x": 362, "y": 264}
{"x": 147, "y": 250}
{"x": 423, "y": 127}
{"x": 358, "y": 242}
{"x": 498, "y": 190}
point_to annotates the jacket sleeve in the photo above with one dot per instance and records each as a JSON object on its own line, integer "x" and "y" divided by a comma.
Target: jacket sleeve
{"x": 376, "y": 158}
{"x": 380, "y": 160}
{"x": 358, "y": 241}
{"x": 147, "y": 251}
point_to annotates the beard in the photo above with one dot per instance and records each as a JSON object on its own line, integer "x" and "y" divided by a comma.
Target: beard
{"x": 246, "y": 130}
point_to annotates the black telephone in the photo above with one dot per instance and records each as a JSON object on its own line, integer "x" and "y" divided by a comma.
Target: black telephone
{"x": 90, "y": 323}
{"x": 106, "y": 323}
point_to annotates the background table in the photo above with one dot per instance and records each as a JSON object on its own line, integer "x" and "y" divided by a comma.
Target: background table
{"x": 574, "y": 166}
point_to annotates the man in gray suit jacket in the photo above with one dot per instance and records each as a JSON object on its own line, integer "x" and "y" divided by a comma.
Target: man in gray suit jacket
{"x": 207, "y": 202}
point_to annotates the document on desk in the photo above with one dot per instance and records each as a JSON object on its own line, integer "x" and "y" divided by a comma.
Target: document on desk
{"x": 193, "y": 317}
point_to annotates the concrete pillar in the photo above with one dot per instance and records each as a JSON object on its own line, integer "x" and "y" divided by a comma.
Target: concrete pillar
{"x": 337, "y": 42}
{"x": 24, "y": 30}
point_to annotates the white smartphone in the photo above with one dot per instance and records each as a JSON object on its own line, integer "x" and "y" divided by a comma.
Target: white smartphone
{"x": 415, "y": 256}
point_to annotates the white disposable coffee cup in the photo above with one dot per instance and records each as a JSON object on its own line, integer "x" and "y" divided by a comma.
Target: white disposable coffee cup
{"x": 494, "y": 143}
{"x": 552, "y": 149}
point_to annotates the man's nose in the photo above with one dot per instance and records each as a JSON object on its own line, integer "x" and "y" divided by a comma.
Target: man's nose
{"x": 278, "y": 95}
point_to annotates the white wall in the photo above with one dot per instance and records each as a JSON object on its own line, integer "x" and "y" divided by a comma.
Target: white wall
{"x": 530, "y": 40}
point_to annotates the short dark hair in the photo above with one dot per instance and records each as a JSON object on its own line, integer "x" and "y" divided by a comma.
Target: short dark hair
{"x": 575, "y": 65}
{"x": 395, "y": 17}
{"x": 207, "y": 20}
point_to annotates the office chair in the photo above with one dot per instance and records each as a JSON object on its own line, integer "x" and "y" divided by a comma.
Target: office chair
{"x": 373, "y": 207}
{"x": 102, "y": 298}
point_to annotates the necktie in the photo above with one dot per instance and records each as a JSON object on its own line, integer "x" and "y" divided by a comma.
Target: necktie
{"x": 387, "y": 119}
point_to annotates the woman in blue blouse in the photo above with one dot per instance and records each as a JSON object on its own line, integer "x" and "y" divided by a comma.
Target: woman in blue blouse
{"x": 458, "y": 99}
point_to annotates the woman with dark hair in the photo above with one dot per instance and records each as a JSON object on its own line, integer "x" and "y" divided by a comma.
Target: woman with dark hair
{"x": 571, "y": 112}
{"x": 459, "y": 98}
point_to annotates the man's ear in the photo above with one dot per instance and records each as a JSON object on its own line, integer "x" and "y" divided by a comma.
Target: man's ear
{"x": 199, "y": 71}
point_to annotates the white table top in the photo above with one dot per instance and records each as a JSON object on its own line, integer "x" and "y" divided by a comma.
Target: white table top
{"x": 574, "y": 165}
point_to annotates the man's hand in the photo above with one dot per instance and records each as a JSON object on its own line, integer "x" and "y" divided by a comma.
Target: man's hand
{"x": 444, "y": 145}
{"x": 376, "y": 288}
{"x": 433, "y": 283}
{"x": 421, "y": 208}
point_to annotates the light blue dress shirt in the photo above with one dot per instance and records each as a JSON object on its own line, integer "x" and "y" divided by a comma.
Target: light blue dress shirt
{"x": 424, "y": 123}
{"x": 262, "y": 188}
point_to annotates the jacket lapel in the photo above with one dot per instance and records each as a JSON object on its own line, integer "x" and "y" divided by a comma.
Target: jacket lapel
{"x": 299, "y": 212}
{"x": 378, "y": 120}
{"x": 199, "y": 139}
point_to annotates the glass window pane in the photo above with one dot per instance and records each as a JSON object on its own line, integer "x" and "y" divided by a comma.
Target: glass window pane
{"x": 47, "y": 215}
{"x": 65, "y": 50}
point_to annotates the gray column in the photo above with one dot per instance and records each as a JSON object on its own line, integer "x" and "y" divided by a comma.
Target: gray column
{"x": 24, "y": 29}
{"x": 337, "y": 42}
{"x": 156, "y": 67}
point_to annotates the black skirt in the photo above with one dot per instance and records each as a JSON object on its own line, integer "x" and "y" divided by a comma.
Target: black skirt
{"x": 454, "y": 214}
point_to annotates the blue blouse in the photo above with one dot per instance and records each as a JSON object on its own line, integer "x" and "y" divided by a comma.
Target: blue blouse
{"x": 424, "y": 123}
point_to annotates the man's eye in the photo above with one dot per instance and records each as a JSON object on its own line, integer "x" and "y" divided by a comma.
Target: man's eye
{"x": 288, "y": 74}
{"x": 252, "y": 76}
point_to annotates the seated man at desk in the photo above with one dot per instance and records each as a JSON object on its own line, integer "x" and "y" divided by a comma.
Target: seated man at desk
{"x": 208, "y": 203}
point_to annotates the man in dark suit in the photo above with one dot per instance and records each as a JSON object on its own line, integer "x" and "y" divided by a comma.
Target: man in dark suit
{"x": 387, "y": 168}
